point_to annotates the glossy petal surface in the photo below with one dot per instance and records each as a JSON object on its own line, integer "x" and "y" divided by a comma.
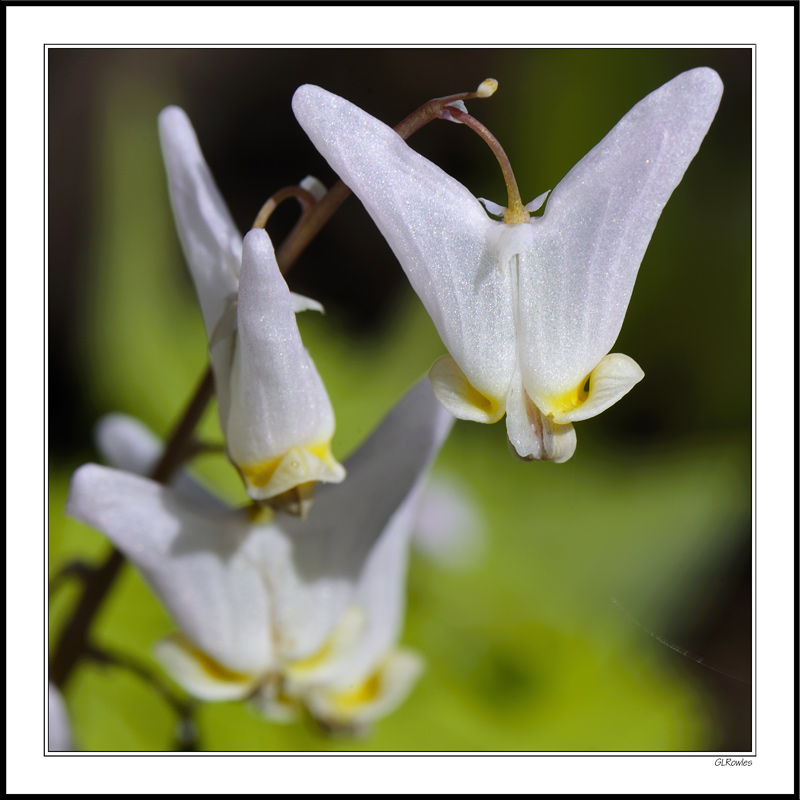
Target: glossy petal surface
{"x": 211, "y": 242}
{"x": 277, "y": 400}
{"x": 434, "y": 225}
{"x": 577, "y": 277}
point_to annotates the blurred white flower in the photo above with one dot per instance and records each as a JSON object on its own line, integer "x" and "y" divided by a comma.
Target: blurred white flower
{"x": 59, "y": 731}
{"x": 528, "y": 310}
{"x": 450, "y": 528}
{"x": 296, "y": 614}
{"x": 273, "y": 407}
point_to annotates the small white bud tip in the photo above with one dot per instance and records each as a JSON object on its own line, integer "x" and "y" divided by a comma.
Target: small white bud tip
{"x": 487, "y": 88}
{"x": 313, "y": 185}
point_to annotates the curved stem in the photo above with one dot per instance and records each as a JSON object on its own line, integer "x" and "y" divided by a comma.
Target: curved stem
{"x": 73, "y": 569}
{"x": 184, "y": 709}
{"x": 296, "y": 242}
{"x": 305, "y": 198}
{"x": 73, "y": 643}
{"x": 516, "y": 211}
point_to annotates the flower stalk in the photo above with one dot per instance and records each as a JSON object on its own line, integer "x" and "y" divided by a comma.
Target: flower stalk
{"x": 516, "y": 211}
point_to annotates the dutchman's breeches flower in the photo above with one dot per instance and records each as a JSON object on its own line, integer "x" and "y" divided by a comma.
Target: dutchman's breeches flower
{"x": 294, "y": 613}
{"x": 528, "y": 308}
{"x": 273, "y": 407}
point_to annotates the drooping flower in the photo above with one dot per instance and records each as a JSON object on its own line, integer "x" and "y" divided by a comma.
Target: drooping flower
{"x": 273, "y": 407}
{"x": 296, "y": 614}
{"x": 527, "y": 309}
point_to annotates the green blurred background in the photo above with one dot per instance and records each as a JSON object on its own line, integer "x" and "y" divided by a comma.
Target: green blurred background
{"x": 533, "y": 646}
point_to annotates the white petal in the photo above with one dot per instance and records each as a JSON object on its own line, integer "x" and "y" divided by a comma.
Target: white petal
{"x": 302, "y": 303}
{"x": 313, "y": 185}
{"x": 537, "y": 202}
{"x": 611, "y": 379}
{"x": 531, "y": 434}
{"x": 493, "y": 208}
{"x": 460, "y": 397}
{"x": 434, "y": 225}
{"x": 193, "y": 559}
{"x": 345, "y": 637}
{"x": 352, "y": 547}
{"x": 274, "y": 704}
{"x": 280, "y": 421}
{"x": 128, "y": 444}
{"x": 576, "y": 281}
{"x": 357, "y": 704}
{"x": 201, "y": 676}
{"x": 59, "y": 731}
{"x": 226, "y": 324}
{"x": 211, "y": 243}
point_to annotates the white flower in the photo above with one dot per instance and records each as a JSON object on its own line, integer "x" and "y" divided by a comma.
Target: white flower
{"x": 59, "y": 731}
{"x": 273, "y": 408}
{"x": 450, "y": 527}
{"x": 293, "y": 612}
{"x": 528, "y": 311}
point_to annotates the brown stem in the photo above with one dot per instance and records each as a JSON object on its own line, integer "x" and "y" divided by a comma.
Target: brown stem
{"x": 304, "y": 197}
{"x": 73, "y": 642}
{"x": 183, "y": 708}
{"x": 516, "y": 211}
{"x": 296, "y": 242}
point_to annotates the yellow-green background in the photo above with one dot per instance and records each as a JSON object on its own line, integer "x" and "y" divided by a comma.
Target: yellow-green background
{"x": 525, "y": 650}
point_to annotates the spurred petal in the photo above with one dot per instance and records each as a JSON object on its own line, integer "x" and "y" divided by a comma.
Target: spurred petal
{"x": 192, "y": 558}
{"x": 576, "y": 279}
{"x": 278, "y": 419}
{"x": 434, "y": 225}
{"x": 211, "y": 242}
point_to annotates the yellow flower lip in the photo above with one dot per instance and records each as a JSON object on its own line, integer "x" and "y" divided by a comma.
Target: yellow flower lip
{"x": 613, "y": 377}
{"x": 298, "y": 467}
{"x": 210, "y": 666}
{"x": 454, "y": 391}
{"x": 569, "y": 400}
{"x": 349, "y": 700}
{"x": 259, "y": 475}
